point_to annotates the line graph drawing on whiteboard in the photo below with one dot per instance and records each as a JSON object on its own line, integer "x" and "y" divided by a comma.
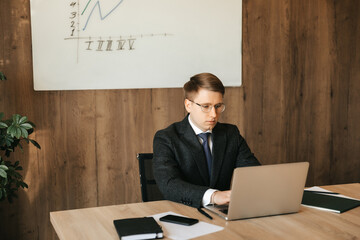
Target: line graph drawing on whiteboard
{"x": 97, "y": 4}
{"x": 104, "y": 42}
{"x": 133, "y": 44}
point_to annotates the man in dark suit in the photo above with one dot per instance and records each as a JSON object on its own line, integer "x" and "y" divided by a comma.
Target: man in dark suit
{"x": 194, "y": 159}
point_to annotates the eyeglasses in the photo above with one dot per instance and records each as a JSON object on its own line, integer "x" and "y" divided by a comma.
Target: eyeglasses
{"x": 219, "y": 108}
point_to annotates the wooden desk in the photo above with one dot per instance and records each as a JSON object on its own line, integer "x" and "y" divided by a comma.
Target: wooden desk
{"x": 97, "y": 223}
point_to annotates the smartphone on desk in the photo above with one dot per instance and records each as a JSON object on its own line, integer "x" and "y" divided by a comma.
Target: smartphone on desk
{"x": 179, "y": 220}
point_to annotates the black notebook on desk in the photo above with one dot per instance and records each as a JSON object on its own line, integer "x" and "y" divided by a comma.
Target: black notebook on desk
{"x": 138, "y": 228}
{"x": 329, "y": 202}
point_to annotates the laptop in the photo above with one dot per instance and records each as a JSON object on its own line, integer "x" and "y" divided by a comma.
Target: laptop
{"x": 264, "y": 191}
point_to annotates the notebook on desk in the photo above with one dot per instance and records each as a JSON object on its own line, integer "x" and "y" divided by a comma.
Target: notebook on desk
{"x": 264, "y": 191}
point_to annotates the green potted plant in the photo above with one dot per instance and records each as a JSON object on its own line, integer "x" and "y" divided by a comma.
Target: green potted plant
{"x": 13, "y": 132}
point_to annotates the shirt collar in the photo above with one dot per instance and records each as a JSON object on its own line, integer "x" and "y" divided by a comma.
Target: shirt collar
{"x": 195, "y": 128}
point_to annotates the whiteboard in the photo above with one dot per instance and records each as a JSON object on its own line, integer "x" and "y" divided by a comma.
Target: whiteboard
{"x": 124, "y": 44}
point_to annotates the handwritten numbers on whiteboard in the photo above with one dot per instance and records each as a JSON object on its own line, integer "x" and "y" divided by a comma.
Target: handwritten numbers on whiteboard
{"x": 72, "y": 17}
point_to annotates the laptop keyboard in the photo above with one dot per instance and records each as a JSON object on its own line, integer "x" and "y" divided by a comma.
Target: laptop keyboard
{"x": 225, "y": 211}
{"x": 223, "y": 208}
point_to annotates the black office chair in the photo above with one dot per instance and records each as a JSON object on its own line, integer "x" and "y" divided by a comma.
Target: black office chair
{"x": 149, "y": 189}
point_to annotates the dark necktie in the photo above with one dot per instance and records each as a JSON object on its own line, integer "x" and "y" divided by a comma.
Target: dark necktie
{"x": 205, "y": 144}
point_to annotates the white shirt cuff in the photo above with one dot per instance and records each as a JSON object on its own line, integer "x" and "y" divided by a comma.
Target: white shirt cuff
{"x": 207, "y": 196}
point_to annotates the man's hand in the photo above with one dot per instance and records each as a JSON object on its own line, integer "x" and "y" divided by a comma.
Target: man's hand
{"x": 221, "y": 197}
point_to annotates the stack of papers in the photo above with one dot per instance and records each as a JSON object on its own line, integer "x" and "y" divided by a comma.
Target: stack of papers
{"x": 176, "y": 231}
{"x": 323, "y": 199}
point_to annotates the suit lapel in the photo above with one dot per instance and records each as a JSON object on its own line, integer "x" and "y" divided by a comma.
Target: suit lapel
{"x": 219, "y": 144}
{"x": 197, "y": 152}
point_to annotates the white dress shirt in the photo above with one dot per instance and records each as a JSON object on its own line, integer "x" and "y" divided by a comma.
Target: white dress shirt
{"x": 207, "y": 195}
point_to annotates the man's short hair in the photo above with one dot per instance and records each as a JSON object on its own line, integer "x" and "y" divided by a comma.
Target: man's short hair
{"x": 206, "y": 81}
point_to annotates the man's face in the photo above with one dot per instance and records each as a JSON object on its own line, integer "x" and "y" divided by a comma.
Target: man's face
{"x": 204, "y": 121}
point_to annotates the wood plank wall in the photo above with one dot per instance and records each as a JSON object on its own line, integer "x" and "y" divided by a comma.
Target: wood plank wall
{"x": 300, "y": 101}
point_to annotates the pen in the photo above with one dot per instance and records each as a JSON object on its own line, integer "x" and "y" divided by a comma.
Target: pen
{"x": 321, "y": 192}
{"x": 204, "y": 213}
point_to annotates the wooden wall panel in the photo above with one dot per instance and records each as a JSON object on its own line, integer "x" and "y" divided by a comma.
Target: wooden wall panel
{"x": 345, "y": 91}
{"x": 119, "y": 136}
{"x": 268, "y": 79}
{"x": 234, "y": 111}
{"x": 167, "y": 108}
{"x": 308, "y": 95}
{"x": 299, "y": 101}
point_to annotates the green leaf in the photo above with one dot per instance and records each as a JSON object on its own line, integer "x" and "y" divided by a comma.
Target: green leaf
{"x": 4, "y": 167}
{"x": 23, "y": 120}
{"x": 26, "y": 126}
{"x": 3, "y": 125}
{"x": 9, "y": 140}
{"x": 24, "y": 133}
{"x": 4, "y": 181}
{"x": 32, "y": 124}
{"x": 18, "y": 133}
{"x": 35, "y": 143}
{"x": 11, "y": 130}
{"x": 3, "y": 173}
{"x": 1, "y": 115}
{"x": 17, "y": 175}
{"x": 16, "y": 118}
{"x": 2, "y": 76}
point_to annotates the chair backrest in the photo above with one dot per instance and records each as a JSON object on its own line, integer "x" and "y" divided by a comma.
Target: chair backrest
{"x": 149, "y": 189}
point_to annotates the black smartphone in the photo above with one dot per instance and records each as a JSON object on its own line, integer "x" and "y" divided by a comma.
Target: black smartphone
{"x": 179, "y": 220}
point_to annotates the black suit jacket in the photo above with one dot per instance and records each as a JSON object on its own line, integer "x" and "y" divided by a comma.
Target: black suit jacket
{"x": 179, "y": 162}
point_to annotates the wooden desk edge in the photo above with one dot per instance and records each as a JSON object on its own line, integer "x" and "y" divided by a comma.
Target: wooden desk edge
{"x": 55, "y": 225}
{"x": 344, "y": 189}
